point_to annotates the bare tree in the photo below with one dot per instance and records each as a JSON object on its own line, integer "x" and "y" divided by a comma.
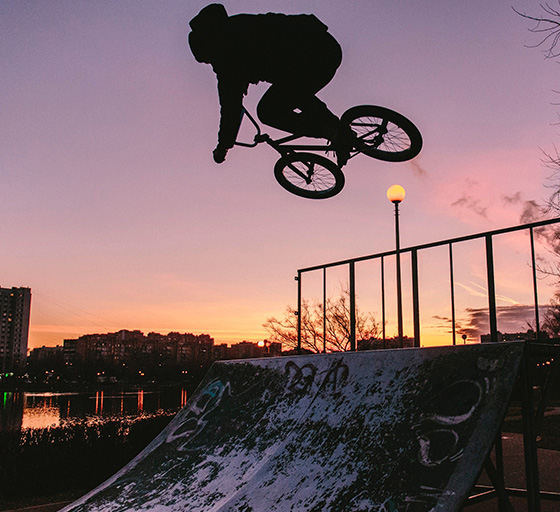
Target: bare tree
{"x": 548, "y": 27}
{"x": 337, "y": 326}
{"x": 552, "y": 162}
{"x": 551, "y": 321}
{"x": 286, "y": 331}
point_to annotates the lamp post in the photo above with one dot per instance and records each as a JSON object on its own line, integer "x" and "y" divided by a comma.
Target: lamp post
{"x": 396, "y": 194}
{"x": 264, "y": 344}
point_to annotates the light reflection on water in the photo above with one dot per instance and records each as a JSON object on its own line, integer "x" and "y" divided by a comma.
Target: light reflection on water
{"x": 25, "y": 410}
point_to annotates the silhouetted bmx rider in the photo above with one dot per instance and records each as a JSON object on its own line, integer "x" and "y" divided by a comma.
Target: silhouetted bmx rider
{"x": 294, "y": 53}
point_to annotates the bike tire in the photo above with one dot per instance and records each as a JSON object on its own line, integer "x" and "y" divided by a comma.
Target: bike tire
{"x": 309, "y": 175}
{"x": 401, "y": 140}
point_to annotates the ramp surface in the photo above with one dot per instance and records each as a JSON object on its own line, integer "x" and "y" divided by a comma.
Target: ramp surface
{"x": 384, "y": 431}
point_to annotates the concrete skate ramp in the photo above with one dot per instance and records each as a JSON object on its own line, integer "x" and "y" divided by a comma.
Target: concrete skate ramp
{"x": 384, "y": 431}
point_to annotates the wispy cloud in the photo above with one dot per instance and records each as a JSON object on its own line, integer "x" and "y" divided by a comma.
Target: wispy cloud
{"x": 418, "y": 169}
{"x": 462, "y": 327}
{"x": 480, "y": 291}
{"x": 473, "y": 291}
{"x": 533, "y": 212}
{"x": 471, "y": 203}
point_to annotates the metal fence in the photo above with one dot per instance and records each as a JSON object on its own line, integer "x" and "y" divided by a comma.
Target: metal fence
{"x": 488, "y": 238}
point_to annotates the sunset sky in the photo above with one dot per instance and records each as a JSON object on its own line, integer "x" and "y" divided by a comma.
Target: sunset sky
{"x": 115, "y": 215}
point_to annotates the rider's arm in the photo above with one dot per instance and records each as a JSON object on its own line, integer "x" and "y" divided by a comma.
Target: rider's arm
{"x": 230, "y": 92}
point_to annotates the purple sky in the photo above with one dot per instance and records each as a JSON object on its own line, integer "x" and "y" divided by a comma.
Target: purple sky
{"x": 114, "y": 213}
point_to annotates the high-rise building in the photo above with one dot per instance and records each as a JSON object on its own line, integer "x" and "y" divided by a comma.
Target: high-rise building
{"x": 15, "y": 308}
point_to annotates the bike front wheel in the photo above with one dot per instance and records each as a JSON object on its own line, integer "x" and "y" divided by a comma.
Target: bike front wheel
{"x": 383, "y": 133}
{"x": 309, "y": 175}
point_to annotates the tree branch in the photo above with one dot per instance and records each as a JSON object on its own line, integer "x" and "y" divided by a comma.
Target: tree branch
{"x": 546, "y": 25}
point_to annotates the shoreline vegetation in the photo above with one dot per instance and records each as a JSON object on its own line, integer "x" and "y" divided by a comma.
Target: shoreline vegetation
{"x": 41, "y": 466}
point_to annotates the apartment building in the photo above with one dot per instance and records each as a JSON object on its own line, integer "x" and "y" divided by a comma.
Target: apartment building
{"x": 15, "y": 308}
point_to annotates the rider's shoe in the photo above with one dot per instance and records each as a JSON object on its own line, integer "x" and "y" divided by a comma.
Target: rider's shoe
{"x": 219, "y": 154}
{"x": 342, "y": 156}
{"x": 343, "y": 143}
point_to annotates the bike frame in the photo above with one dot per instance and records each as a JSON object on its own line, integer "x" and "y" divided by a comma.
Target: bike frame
{"x": 281, "y": 145}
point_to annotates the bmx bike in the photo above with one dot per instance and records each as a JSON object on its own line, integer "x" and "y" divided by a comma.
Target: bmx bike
{"x": 381, "y": 133}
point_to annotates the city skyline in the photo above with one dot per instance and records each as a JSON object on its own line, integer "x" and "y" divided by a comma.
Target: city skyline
{"x": 117, "y": 218}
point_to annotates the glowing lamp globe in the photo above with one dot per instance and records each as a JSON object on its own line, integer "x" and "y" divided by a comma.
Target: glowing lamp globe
{"x": 395, "y": 193}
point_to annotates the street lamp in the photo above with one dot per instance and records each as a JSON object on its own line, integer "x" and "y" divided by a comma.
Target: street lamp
{"x": 264, "y": 344}
{"x": 396, "y": 194}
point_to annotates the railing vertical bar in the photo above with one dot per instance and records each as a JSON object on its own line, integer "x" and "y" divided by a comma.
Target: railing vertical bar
{"x": 383, "y": 301}
{"x": 298, "y": 279}
{"x": 452, "y": 281}
{"x": 491, "y": 290}
{"x": 352, "y": 306}
{"x": 324, "y": 310}
{"x": 499, "y": 455}
{"x": 415, "y": 299}
{"x": 535, "y": 289}
{"x": 529, "y": 434}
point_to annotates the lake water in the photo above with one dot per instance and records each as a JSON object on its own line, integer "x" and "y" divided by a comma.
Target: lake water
{"x": 26, "y": 410}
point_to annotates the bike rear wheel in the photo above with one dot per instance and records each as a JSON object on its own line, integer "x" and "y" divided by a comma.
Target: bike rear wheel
{"x": 309, "y": 175}
{"x": 383, "y": 133}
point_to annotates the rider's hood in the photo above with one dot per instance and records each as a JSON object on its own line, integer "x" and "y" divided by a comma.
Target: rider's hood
{"x": 206, "y": 27}
{"x": 209, "y": 18}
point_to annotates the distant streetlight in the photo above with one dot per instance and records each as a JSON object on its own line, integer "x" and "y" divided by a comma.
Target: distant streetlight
{"x": 396, "y": 194}
{"x": 264, "y": 344}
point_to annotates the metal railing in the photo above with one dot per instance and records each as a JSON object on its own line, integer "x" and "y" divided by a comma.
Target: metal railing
{"x": 488, "y": 237}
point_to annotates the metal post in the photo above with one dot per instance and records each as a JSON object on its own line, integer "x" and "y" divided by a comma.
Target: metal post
{"x": 491, "y": 290}
{"x": 324, "y": 310}
{"x": 500, "y": 477}
{"x": 298, "y": 279}
{"x": 383, "y": 300}
{"x": 352, "y": 306}
{"x": 529, "y": 434}
{"x": 452, "y": 281}
{"x": 504, "y": 504}
{"x": 549, "y": 383}
{"x": 415, "y": 298}
{"x": 535, "y": 290}
{"x": 399, "y": 286}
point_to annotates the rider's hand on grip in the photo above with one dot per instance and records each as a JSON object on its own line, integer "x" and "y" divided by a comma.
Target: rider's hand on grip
{"x": 219, "y": 154}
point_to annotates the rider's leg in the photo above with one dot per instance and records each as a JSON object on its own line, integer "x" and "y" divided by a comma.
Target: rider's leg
{"x": 292, "y": 111}
{"x": 297, "y": 111}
